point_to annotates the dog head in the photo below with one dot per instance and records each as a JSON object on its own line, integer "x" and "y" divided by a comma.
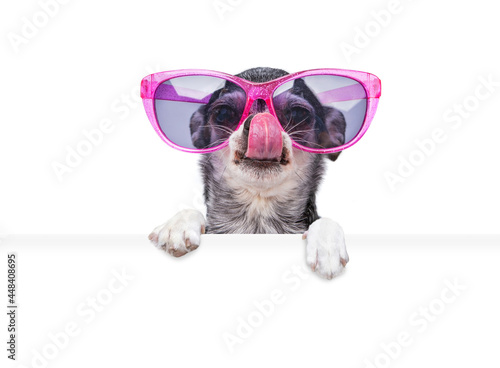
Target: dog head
{"x": 260, "y": 154}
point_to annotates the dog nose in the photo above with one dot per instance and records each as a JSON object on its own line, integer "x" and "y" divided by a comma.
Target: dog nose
{"x": 264, "y": 138}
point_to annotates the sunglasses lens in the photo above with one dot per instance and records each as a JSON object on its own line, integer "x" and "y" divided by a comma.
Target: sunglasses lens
{"x": 187, "y": 115}
{"x": 321, "y": 111}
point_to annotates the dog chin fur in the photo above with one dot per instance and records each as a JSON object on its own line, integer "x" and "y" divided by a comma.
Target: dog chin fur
{"x": 249, "y": 196}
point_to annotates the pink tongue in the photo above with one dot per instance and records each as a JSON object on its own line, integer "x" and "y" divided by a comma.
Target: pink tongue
{"x": 264, "y": 138}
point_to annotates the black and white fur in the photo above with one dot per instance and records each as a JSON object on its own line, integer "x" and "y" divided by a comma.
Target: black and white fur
{"x": 249, "y": 196}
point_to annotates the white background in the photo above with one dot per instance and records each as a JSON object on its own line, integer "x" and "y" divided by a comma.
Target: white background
{"x": 176, "y": 311}
{"x": 90, "y": 57}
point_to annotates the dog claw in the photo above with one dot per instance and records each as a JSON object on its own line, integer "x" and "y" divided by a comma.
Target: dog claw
{"x": 153, "y": 237}
{"x": 176, "y": 252}
{"x": 343, "y": 262}
{"x": 190, "y": 246}
{"x": 315, "y": 264}
{"x": 304, "y": 236}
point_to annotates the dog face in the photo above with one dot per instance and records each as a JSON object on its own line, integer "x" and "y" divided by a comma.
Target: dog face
{"x": 260, "y": 154}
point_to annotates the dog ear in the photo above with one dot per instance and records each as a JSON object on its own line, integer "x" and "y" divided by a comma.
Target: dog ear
{"x": 334, "y": 156}
{"x": 335, "y": 125}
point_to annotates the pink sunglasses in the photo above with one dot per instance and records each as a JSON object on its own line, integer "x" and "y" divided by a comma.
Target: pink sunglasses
{"x": 322, "y": 110}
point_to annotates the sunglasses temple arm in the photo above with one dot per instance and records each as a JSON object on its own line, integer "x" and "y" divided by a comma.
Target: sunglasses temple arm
{"x": 171, "y": 93}
{"x": 348, "y": 93}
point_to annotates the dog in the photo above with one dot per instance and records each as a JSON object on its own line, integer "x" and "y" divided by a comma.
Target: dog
{"x": 250, "y": 189}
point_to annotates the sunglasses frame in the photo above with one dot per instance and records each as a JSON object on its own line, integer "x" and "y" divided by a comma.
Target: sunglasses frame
{"x": 263, "y": 91}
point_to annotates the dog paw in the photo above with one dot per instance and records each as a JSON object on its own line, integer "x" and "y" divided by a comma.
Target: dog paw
{"x": 181, "y": 234}
{"x": 326, "y": 251}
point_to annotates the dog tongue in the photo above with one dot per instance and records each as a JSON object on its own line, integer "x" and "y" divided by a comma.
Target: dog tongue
{"x": 264, "y": 138}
